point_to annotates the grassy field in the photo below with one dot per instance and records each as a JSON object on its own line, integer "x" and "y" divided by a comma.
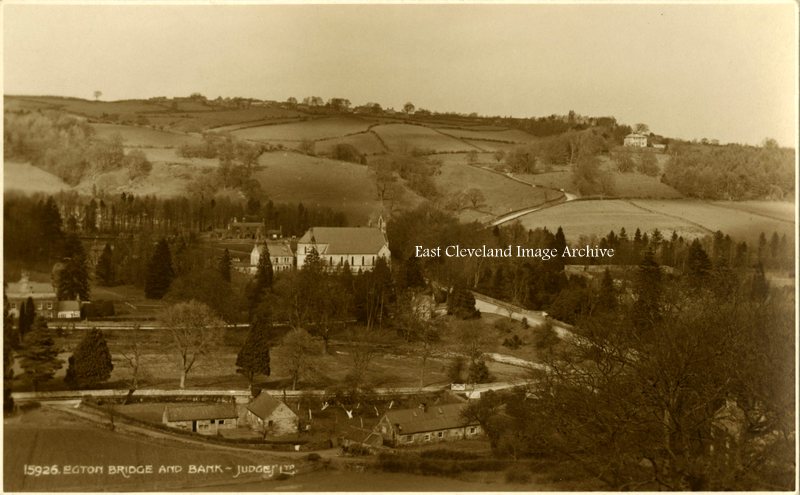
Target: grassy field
{"x": 779, "y": 210}
{"x": 502, "y": 194}
{"x": 366, "y": 143}
{"x": 144, "y": 137}
{"x": 491, "y": 145}
{"x": 46, "y": 437}
{"x": 729, "y": 217}
{"x": 292, "y": 177}
{"x": 27, "y": 178}
{"x": 201, "y": 121}
{"x": 310, "y": 130}
{"x": 125, "y": 109}
{"x": 507, "y": 135}
{"x": 170, "y": 155}
{"x": 598, "y": 217}
{"x": 414, "y": 136}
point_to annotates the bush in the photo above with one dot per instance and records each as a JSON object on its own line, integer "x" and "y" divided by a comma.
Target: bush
{"x": 448, "y": 454}
{"x": 514, "y": 342}
{"x": 313, "y": 457}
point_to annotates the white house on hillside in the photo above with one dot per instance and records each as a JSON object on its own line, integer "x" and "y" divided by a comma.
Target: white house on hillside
{"x": 359, "y": 247}
{"x": 280, "y": 254}
{"x": 636, "y": 140}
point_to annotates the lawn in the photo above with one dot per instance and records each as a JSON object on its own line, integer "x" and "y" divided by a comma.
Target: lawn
{"x": 347, "y": 187}
{"x": 134, "y": 136}
{"x": 315, "y": 129}
{"x": 27, "y": 178}
{"x": 396, "y": 136}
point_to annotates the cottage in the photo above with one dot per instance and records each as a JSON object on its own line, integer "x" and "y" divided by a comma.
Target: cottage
{"x": 207, "y": 419}
{"x": 359, "y": 247}
{"x": 423, "y": 425}
{"x": 280, "y": 254}
{"x": 271, "y": 416}
{"x": 43, "y": 296}
{"x": 361, "y": 438}
{"x": 245, "y": 230}
{"x": 69, "y": 310}
{"x": 635, "y": 140}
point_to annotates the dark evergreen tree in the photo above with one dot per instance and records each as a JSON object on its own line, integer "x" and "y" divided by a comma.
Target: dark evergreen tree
{"x": 105, "y": 270}
{"x": 159, "y": 272}
{"x": 461, "y": 303}
{"x": 90, "y": 363}
{"x": 478, "y": 372}
{"x": 224, "y": 265}
{"x": 27, "y": 315}
{"x": 646, "y": 309}
{"x": 607, "y": 296}
{"x": 411, "y": 274}
{"x": 253, "y": 357}
{"x": 697, "y": 264}
{"x": 72, "y": 281}
{"x": 50, "y": 229}
{"x": 39, "y": 355}
{"x": 10, "y": 341}
{"x": 759, "y": 287}
{"x": 262, "y": 281}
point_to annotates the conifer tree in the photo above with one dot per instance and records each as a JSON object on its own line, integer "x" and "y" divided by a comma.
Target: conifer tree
{"x": 646, "y": 309}
{"x": 253, "y": 357}
{"x": 39, "y": 355}
{"x": 697, "y": 264}
{"x": 262, "y": 280}
{"x": 90, "y": 363}
{"x": 461, "y": 303}
{"x": 72, "y": 280}
{"x": 607, "y": 297}
{"x": 104, "y": 271}
{"x": 159, "y": 272}
{"x": 224, "y": 265}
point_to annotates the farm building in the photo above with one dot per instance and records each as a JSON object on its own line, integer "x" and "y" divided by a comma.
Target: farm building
{"x": 69, "y": 310}
{"x": 42, "y": 293}
{"x": 270, "y": 415}
{"x": 423, "y": 425}
{"x": 359, "y": 247}
{"x": 207, "y": 419}
{"x": 635, "y": 140}
{"x": 280, "y": 254}
{"x": 361, "y": 438}
{"x": 245, "y": 230}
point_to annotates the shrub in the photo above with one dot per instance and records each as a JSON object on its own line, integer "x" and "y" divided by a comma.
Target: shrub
{"x": 313, "y": 457}
{"x": 448, "y": 454}
{"x": 514, "y": 342}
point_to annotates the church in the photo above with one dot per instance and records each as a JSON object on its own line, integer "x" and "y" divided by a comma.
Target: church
{"x": 359, "y": 247}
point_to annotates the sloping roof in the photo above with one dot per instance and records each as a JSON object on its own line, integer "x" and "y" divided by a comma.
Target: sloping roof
{"x": 275, "y": 249}
{"x": 346, "y": 240}
{"x": 436, "y": 417}
{"x": 201, "y": 411}
{"x": 69, "y": 306}
{"x": 264, "y": 405}
{"x": 364, "y": 437}
{"x": 635, "y": 135}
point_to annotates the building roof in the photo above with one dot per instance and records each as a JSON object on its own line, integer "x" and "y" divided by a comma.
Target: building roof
{"x": 264, "y": 405}
{"x": 363, "y": 437}
{"x": 635, "y": 135}
{"x": 345, "y": 240}
{"x": 201, "y": 411}
{"x": 69, "y": 306}
{"x": 25, "y": 288}
{"x": 275, "y": 249}
{"x": 436, "y": 417}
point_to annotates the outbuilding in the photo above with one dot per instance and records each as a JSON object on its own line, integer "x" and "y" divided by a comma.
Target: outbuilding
{"x": 268, "y": 415}
{"x": 206, "y": 419}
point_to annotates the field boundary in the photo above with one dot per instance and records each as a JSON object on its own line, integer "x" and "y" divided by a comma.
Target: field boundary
{"x": 677, "y": 217}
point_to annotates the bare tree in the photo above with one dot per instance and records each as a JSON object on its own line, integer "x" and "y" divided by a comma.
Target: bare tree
{"x": 132, "y": 358}
{"x": 299, "y": 349}
{"x": 195, "y": 329}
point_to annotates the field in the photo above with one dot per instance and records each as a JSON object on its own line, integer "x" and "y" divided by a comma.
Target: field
{"x": 779, "y": 210}
{"x": 292, "y": 177}
{"x": 502, "y": 194}
{"x": 170, "y": 155}
{"x": 366, "y": 143}
{"x": 491, "y": 145}
{"x": 599, "y": 217}
{"x": 125, "y": 109}
{"x": 730, "y": 217}
{"x": 46, "y": 437}
{"x": 202, "y": 121}
{"x": 396, "y": 136}
{"x": 143, "y": 136}
{"x": 27, "y": 178}
{"x": 308, "y": 130}
{"x": 506, "y": 135}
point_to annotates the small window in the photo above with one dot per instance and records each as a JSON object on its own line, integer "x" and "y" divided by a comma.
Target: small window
{"x": 408, "y": 438}
{"x": 221, "y": 421}
{"x": 39, "y": 306}
{"x": 440, "y": 434}
{"x": 269, "y": 423}
{"x": 427, "y": 437}
{"x": 13, "y": 305}
{"x": 213, "y": 421}
{"x": 472, "y": 430}
{"x": 49, "y": 305}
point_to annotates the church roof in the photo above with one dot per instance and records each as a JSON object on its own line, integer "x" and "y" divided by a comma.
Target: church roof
{"x": 345, "y": 240}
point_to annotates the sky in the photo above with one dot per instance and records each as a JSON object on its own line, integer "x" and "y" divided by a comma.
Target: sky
{"x": 716, "y": 71}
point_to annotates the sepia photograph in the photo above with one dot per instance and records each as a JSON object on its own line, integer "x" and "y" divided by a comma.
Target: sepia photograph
{"x": 399, "y": 246}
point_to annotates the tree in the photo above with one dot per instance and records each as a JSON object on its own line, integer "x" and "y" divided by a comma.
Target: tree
{"x": 300, "y": 351}
{"x": 105, "y": 270}
{"x": 97, "y": 94}
{"x": 195, "y": 330}
{"x": 27, "y": 315}
{"x": 648, "y": 164}
{"x": 408, "y": 108}
{"x": 39, "y": 355}
{"x": 262, "y": 280}
{"x": 253, "y": 357}
{"x": 224, "y": 265}
{"x": 647, "y": 307}
{"x": 90, "y": 363}
{"x": 641, "y": 128}
{"x": 461, "y": 303}
{"x": 499, "y": 155}
{"x": 475, "y": 197}
{"x": 159, "y": 272}
{"x": 133, "y": 357}
{"x": 697, "y": 265}
{"x": 73, "y": 278}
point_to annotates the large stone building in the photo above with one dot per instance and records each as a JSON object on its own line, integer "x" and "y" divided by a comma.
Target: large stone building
{"x": 42, "y": 293}
{"x": 426, "y": 424}
{"x": 280, "y": 254}
{"x": 635, "y": 140}
{"x": 359, "y": 247}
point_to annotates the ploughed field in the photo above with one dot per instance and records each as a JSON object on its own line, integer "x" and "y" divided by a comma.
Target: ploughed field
{"x": 689, "y": 218}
